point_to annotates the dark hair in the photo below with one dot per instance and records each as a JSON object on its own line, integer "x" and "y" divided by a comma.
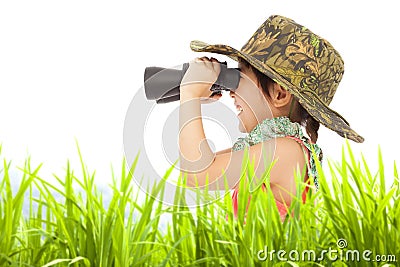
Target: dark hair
{"x": 301, "y": 115}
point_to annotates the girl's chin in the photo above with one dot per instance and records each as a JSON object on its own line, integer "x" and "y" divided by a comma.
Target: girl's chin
{"x": 242, "y": 128}
{"x": 244, "y": 123}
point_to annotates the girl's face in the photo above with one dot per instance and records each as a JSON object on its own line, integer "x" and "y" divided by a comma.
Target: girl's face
{"x": 249, "y": 100}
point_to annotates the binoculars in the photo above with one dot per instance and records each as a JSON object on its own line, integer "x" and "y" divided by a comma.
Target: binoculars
{"x": 163, "y": 84}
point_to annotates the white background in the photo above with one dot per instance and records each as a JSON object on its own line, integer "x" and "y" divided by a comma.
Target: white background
{"x": 69, "y": 69}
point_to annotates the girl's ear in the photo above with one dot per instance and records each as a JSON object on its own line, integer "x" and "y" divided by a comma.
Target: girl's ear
{"x": 280, "y": 97}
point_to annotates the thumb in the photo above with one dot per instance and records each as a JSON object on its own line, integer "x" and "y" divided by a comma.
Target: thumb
{"x": 216, "y": 96}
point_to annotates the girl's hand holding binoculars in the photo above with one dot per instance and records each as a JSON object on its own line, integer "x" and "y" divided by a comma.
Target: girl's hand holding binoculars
{"x": 198, "y": 79}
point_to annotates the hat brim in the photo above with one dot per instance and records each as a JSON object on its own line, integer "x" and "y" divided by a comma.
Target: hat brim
{"x": 307, "y": 98}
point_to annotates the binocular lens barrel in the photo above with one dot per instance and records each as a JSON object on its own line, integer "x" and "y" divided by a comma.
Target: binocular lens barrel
{"x": 163, "y": 84}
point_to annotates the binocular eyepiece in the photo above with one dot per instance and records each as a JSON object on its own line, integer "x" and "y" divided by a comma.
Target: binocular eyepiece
{"x": 163, "y": 84}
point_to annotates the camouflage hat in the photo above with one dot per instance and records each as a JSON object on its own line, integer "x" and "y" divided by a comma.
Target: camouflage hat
{"x": 300, "y": 61}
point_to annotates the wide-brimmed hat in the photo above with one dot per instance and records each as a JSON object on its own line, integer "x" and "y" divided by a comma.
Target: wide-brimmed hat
{"x": 300, "y": 61}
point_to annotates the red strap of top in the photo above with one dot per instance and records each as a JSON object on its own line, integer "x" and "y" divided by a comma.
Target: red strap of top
{"x": 303, "y": 146}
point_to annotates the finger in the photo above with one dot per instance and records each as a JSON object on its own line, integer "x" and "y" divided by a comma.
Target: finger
{"x": 207, "y": 100}
{"x": 199, "y": 60}
{"x": 212, "y": 63}
{"x": 203, "y": 59}
{"x": 216, "y": 96}
{"x": 214, "y": 60}
{"x": 216, "y": 64}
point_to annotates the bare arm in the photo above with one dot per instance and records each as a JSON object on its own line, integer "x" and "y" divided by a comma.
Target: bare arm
{"x": 200, "y": 163}
{"x": 197, "y": 160}
{"x": 202, "y": 166}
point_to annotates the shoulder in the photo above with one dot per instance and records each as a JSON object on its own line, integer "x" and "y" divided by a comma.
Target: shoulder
{"x": 288, "y": 149}
{"x": 289, "y": 159}
{"x": 282, "y": 147}
{"x": 286, "y": 152}
{"x": 289, "y": 156}
{"x": 287, "y": 146}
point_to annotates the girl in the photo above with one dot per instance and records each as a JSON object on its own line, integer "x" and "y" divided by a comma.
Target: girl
{"x": 288, "y": 78}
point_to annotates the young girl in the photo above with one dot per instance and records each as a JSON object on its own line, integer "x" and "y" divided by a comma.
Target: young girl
{"x": 288, "y": 78}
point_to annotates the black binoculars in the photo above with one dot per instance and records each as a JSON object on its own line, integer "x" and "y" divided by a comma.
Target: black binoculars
{"x": 163, "y": 85}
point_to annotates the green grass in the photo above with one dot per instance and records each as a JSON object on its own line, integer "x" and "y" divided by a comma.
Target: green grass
{"x": 69, "y": 224}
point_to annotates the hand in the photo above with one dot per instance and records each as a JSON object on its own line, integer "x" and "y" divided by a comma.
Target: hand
{"x": 199, "y": 77}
